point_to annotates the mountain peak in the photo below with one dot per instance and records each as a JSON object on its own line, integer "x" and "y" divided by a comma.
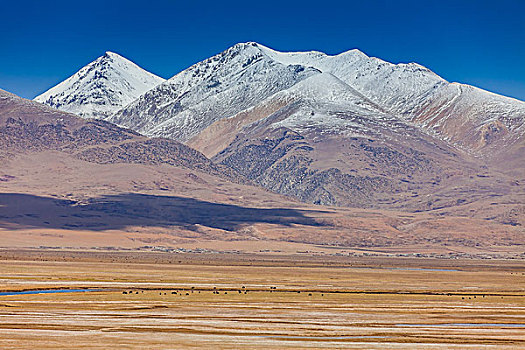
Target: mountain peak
{"x": 250, "y": 47}
{"x": 111, "y": 53}
{"x": 101, "y": 87}
{"x": 247, "y": 44}
{"x": 112, "y": 56}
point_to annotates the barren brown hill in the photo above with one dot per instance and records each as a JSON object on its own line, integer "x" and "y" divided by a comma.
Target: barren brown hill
{"x": 50, "y": 198}
{"x": 28, "y": 126}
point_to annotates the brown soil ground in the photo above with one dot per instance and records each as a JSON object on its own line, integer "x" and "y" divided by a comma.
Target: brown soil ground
{"x": 51, "y": 199}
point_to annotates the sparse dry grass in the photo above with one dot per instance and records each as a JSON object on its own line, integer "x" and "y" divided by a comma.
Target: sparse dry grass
{"x": 338, "y": 306}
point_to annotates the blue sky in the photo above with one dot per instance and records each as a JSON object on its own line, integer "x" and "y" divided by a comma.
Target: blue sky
{"x": 471, "y": 41}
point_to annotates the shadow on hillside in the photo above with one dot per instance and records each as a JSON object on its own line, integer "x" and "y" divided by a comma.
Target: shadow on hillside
{"x": 110, "y": 212}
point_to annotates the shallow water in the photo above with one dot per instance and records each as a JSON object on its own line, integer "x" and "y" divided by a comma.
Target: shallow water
{"x": 325, "y": 337}
{"x": 519, "y": 325}
{"x": 421, "y": 269}
{"x": 48, "y": 291}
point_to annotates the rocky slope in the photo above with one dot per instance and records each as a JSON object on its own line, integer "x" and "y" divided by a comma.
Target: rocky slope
{"x": 336, "y": 151}
{"x": 100, "y": 88}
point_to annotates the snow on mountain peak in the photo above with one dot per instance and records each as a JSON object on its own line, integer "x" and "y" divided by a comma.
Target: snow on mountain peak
{"x": 100, "y": 88}
{"x": 248, "y": 74}
{"x": 216, "y": 88}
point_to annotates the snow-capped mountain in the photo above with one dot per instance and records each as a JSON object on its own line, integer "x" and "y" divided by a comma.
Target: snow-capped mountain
{"x": 100, "y": 88}
{"x": 465, "y": 115}
{"x": 347, "y": 130}
{"x": 216, "y": 88}
{"x": 344, "y": 130}
{"x": 248, "y": 73}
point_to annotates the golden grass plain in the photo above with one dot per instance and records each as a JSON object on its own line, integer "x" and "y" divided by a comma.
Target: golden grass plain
{"x": 232, "y": 301}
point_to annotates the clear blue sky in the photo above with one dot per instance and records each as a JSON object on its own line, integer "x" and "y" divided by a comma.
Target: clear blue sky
{"x": 471, "y": 41}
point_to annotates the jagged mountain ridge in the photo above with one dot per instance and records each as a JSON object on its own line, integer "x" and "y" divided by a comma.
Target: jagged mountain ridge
{"x": 462, "y": 115}
{"x": 216, "y": 88}
{"x": 466, "y": 116}
{"x": 100, "y": 88}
